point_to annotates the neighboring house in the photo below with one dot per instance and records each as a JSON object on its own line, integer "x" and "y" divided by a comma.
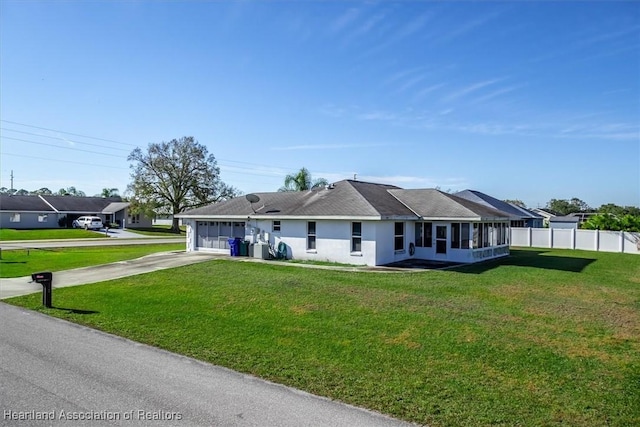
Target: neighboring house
{"x": 566, "y": 222}
{"x": 583, "y": 216}
{"x": 355, "y": 222}
{"x": 546, "y": 215}
{"x": 44, "y": 211}
{"x": 520, "y": 217}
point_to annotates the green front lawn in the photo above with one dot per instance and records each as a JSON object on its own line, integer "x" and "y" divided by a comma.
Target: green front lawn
{"x": 159, "y": 230}
{"x": 7, "y": 234}
{"x": 543, "y": 338}
{"x": 23, "y": 262}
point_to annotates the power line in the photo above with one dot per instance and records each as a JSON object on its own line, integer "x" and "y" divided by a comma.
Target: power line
{"x": 62, "y": 161}
{"x": 64, "y": 148}
{"x": 63, "y": 139}
{"x": 251, "y": 169}
{"x": 68, "y": 133}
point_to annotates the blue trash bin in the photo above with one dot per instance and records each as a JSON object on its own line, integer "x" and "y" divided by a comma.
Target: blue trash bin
{"x": 238, "y": 243}
{"x": 233, "y": 247}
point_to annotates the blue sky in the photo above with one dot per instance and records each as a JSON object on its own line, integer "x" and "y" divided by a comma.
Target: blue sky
{"x": 520, "y": 100}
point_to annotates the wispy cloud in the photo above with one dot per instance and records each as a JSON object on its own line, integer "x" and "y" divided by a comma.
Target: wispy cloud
{"x": 463, "y": 28}
{"x": 495, "y": 93}
{"x": 367, "y": 26}
{"x": 470, "y": 89}
{"x": 420, "y": 94}
{"x": 324, "y": 147}
{"x": 400, "y": 33}
{"x": 343, "y": 21}
{"x": 377, "y": 115}
{"x": 552, "y": 125}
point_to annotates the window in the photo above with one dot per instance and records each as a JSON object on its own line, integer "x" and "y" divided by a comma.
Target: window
{"x": 465, "y": 235}
{"x": 460, "y": 235}
{"x": 398, "y": 236}
{"x": 356, "y": 237}
{"x": 311, "y": 235}
{"x": 134, "y": 219}
{"x": 275, "y": 226}
{"x": 424, "y": 234}
{"x": 43, "y": 217}
{"x": 477, "y": 235}
{"x": 455, "y": 235}
{"x": 15, "y": 217}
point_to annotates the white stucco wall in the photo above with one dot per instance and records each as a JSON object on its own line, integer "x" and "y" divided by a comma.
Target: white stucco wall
{"x": 333, "y": 240}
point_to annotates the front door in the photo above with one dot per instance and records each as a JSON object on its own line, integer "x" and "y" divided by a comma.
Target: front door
{"x": 441, "y": 239}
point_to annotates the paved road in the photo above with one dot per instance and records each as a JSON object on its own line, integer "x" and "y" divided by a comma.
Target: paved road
{"x": 52, "y": 368}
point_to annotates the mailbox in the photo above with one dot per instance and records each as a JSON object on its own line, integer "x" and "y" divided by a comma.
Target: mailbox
{"x": 45, "y": 279}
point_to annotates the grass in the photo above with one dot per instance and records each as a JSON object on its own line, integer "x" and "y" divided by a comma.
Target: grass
{"x": 23, "y": 262}
{"x": 159, "y": 230}
{"x": 543, "y": 338}
{"x": 7, "y": 234}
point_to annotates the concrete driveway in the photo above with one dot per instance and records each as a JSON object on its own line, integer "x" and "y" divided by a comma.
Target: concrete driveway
{"x": 99, "y": 273}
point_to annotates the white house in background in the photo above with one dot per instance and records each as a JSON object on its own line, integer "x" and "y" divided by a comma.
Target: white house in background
{"x": 47, "y": 211}
{"x": 355, "y": 222}
{"x": 565, "y": 222}
{"x": 545, "y": 214}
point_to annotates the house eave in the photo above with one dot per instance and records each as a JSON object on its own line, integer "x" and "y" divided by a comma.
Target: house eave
{"x": 300, "y": 217}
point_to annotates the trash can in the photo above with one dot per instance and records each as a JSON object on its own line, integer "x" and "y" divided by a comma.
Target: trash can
{"x": 233, "y": 247}
{"x": 244, "y": 248}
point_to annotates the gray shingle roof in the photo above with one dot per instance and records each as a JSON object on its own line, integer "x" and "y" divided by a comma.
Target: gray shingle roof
{"x": 430, "y": 203}
{"x": 485, "y": 199}
{"x": 80, "y": 204}
{"x": 61, "y": 204}
{"x": 343, "y": 199}
{"x": 353, "y": 199}
{"x": 23, "y": 204}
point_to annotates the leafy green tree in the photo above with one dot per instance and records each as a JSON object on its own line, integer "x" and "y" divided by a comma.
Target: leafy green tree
{"x": 302, "y": 181}
{"x": 43, "y": 191}
{"x": 71, "y": 191}
{"x": 175, "y": 176}
{"x": 566, "y": 207}
{"x": 612, "y": 222}
{"x": 601, "y": 222}
{"x": 619, "y": 210}
{"x": 109, "y": 192}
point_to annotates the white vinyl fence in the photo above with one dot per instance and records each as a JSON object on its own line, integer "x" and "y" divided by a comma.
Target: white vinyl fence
{"x": 589, "y": 240}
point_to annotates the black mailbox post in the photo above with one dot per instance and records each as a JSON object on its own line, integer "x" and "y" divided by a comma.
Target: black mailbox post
{"x": 45, "y": 279}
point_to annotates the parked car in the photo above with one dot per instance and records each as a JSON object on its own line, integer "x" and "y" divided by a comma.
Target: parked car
{"x": 88, "y": 223}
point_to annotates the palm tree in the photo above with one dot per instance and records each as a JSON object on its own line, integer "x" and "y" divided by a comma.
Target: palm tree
{"x": 302, "y": 181}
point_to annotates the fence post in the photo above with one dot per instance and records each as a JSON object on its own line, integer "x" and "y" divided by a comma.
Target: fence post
{"x": 573, "y": 238}
{"x": 550, "y": 237}
{"x": 529, "y": 237}
{"x": 597, "y": 239}
{"x": 622, "y": 241}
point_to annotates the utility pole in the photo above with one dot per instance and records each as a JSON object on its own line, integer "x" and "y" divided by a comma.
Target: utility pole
{"x": 11, "y": 181}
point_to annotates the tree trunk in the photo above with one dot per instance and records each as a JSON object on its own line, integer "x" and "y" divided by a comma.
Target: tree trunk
{"x": 175, "y": 227}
